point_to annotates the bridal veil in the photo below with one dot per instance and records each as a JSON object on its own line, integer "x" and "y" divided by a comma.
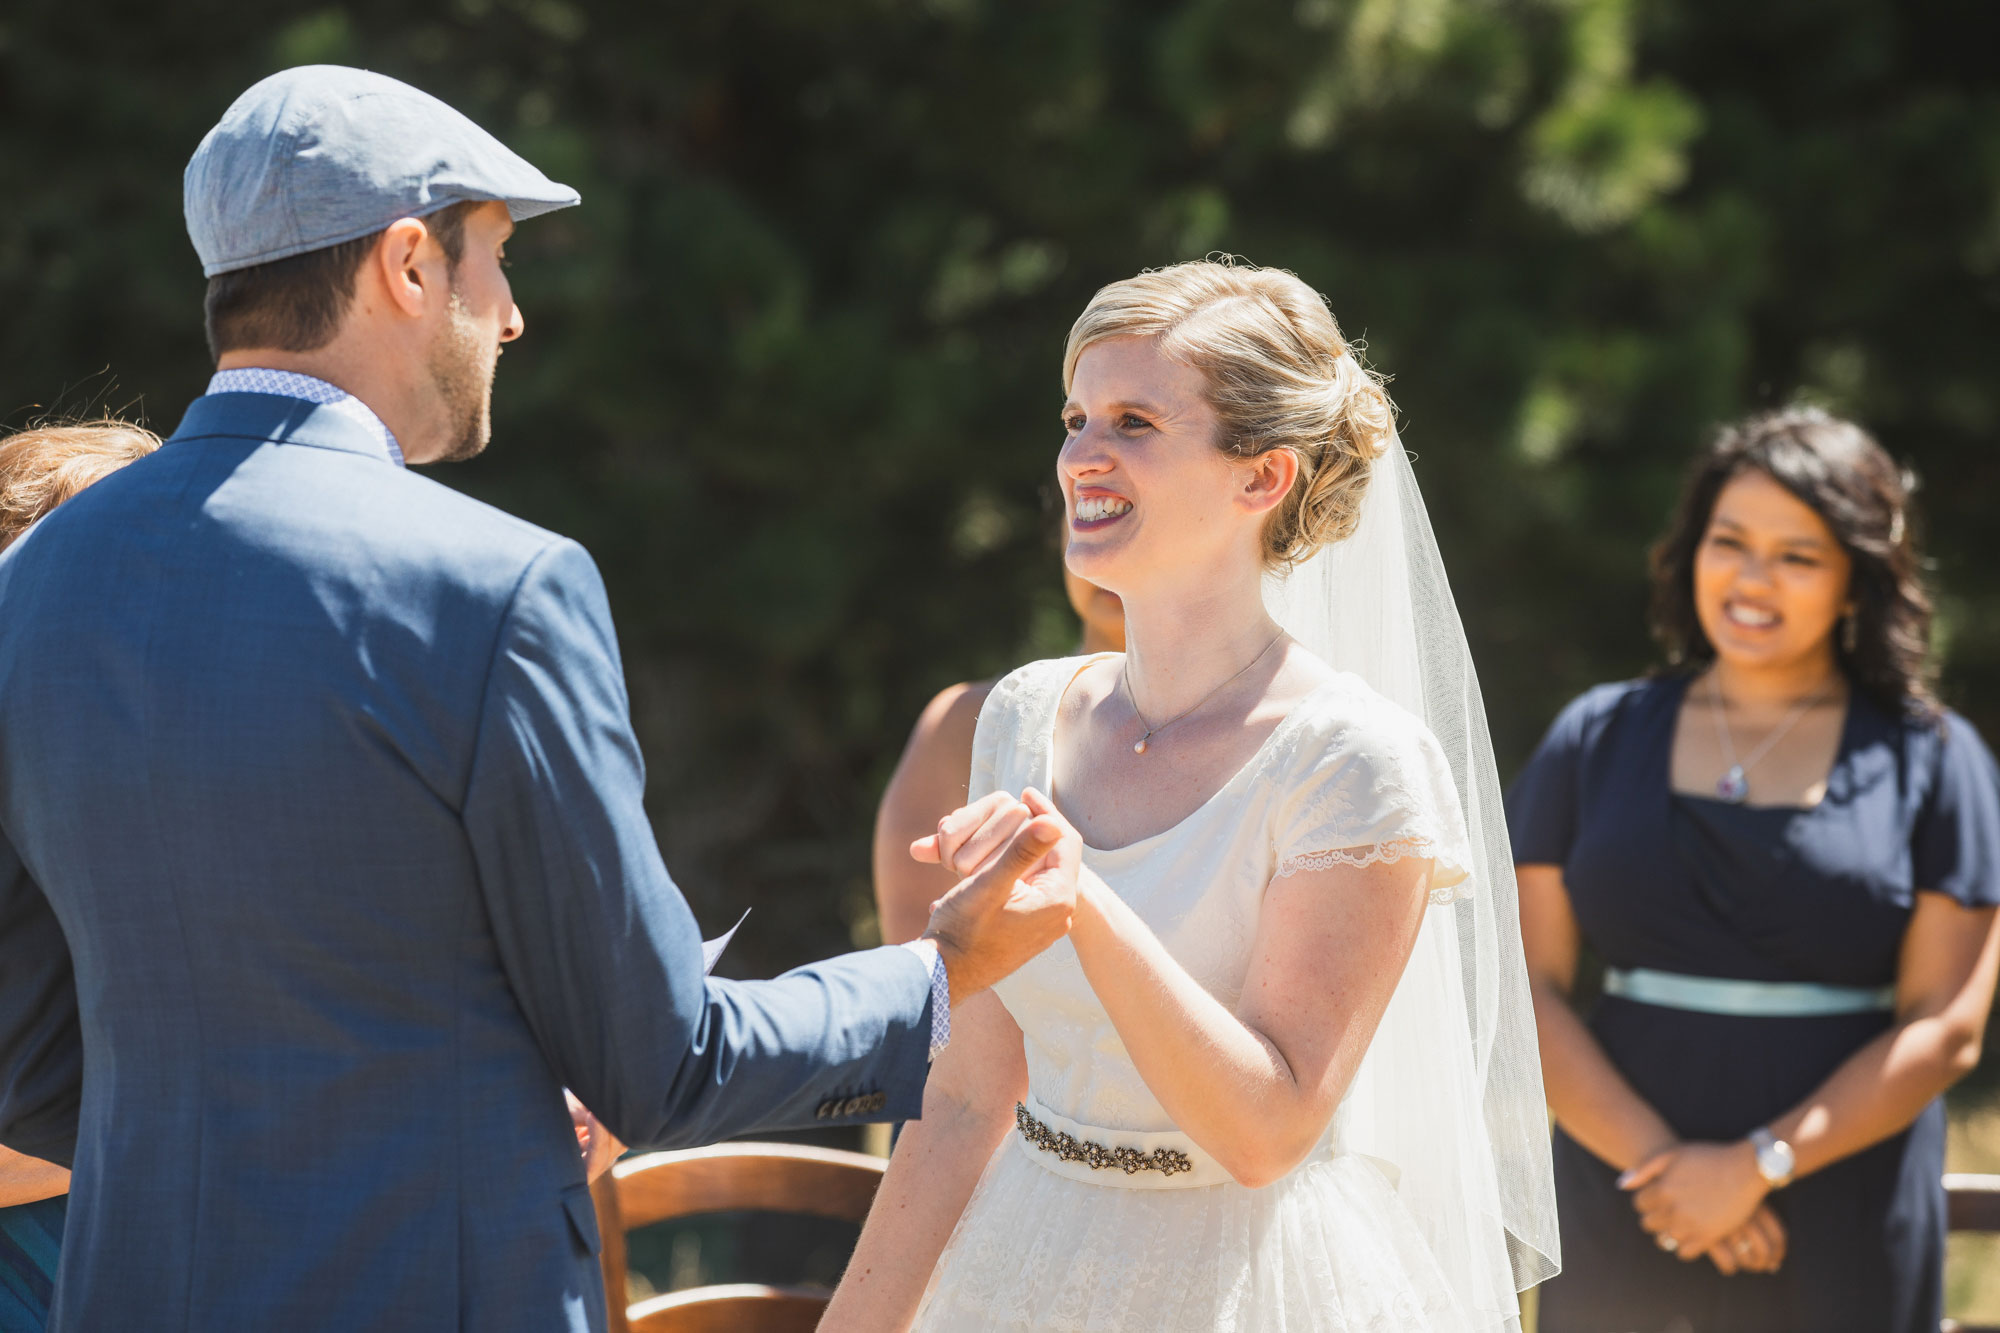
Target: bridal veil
{"x": 1449, "y": 1097}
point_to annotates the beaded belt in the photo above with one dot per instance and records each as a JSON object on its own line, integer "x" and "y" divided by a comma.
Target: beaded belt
{"x": 1121, "y": 1158}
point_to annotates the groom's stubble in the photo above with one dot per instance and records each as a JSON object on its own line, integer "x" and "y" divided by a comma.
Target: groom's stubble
{"x": 461, "y": 364}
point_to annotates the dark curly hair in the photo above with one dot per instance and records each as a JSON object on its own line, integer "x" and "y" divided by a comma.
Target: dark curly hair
{"x": 1850, "y": 481}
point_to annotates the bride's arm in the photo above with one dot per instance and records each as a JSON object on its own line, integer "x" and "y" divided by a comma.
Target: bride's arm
{"x": 968, "y": 1109}
{"x": 1256, "y": 1087}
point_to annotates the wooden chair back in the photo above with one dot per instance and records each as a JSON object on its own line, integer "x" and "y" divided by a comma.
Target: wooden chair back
{"x": 826, "y": 1182}
{"x": 744, "y": 1307}
{"x": 1972, "y": 1204}
{"x": 771, "y": 1177}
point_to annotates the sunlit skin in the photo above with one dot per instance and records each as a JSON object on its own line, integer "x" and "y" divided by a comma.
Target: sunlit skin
{"x": 1139, "y": 432}
{"x": 1254, "y": 1085}
{"x": 25, "y": 1179}
{"x": 413, "y": 323}
{"x": 1172, "y": 525}
{"x": 1099, "y": 610}
{"x": 1771, "y": 587}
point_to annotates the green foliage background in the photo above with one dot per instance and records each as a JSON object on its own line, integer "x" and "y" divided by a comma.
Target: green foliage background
{"x": 791, "y": 371}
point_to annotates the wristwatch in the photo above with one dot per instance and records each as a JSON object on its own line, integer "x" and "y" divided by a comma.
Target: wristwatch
{"x": 1775, "y": 1158}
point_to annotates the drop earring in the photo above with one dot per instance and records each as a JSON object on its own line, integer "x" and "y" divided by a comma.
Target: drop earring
{"x": 1850, "y": 632}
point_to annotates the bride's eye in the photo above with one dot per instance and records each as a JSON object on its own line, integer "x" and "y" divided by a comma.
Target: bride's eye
{"x": 1130, "y": 422}
{"x": 1073, "y": 423}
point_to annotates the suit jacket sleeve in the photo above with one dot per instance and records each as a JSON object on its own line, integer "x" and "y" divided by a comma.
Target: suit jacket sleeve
{"x": 41, "y": 1045}
{"x": 601, "y": 949}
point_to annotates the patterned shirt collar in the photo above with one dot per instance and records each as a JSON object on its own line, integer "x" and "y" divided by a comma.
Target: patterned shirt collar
{"x": 291, "y": 384}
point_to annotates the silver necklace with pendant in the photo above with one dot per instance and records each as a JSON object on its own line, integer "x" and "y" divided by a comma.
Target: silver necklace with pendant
{"x": 1734, "y": 784}
{"x": 1125, "y": 677}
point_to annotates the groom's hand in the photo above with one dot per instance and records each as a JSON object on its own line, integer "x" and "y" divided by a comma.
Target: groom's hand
{"x": 1015, "y": 900}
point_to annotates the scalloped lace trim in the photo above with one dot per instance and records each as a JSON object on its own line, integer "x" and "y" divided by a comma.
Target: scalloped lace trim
{"x": 1379, "y": 854}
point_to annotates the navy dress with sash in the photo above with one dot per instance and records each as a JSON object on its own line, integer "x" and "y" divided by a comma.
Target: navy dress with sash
{"x": 1697, "y": 886}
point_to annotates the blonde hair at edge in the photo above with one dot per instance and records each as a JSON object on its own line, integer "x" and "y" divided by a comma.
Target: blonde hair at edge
{"x": 1280, "y": 376}
{"x": 42, "y": 467}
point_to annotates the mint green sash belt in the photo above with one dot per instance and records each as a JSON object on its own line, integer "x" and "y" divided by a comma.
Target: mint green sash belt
{"x": 1765, "y": 999}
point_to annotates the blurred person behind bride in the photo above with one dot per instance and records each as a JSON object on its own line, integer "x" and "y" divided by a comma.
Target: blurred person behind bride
{"x": 930, "y": 778}
{"x": 1281, "y": 1074}
{"x": 40, "y": 468}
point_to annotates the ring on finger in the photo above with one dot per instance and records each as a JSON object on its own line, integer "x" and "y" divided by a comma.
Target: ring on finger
{"x": 1669, "y": 1244}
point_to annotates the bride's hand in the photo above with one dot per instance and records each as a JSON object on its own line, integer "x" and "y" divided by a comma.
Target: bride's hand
{"x": 1013, "y": 901}
{"x": 969, "y": 837}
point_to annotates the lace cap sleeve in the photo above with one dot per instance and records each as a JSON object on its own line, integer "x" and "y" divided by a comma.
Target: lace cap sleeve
{"x": 1012, "y": 726}
{"x": 1370, "y": 784}
{"x": 988, "y": 737}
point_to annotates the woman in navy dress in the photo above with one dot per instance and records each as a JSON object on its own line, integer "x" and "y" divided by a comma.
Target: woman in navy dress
{"x": 1787, "y": 856}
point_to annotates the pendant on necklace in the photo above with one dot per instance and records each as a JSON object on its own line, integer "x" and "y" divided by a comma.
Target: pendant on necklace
{"x": 1140, "y": 747}
{"x": 1733, "y": 786}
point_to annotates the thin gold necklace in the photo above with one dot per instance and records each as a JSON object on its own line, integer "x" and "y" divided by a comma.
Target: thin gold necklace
{"x": 1125, "y": 677}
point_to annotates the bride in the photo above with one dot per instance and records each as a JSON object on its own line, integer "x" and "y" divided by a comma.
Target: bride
{"x": 1281, "y": 1074}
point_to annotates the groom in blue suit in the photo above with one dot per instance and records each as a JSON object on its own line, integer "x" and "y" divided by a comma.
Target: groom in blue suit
{"x": 323, "y": 863}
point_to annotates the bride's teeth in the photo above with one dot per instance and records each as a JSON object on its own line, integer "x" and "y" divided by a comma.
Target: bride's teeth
{"x": 1091, "y": 510}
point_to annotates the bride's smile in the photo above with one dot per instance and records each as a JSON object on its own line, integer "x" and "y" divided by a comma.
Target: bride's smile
{"x": 1096, "y": 509}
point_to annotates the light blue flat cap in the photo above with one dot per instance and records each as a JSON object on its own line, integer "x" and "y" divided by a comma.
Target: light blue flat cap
{"x": 323, "y": 154}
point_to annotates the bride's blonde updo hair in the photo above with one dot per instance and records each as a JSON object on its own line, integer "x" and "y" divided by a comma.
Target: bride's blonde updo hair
{"x": 1279, "y": 374}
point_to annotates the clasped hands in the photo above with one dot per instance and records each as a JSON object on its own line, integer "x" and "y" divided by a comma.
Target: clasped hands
{"x": 1707, "y": 1199}
{"x": 1018, "y": 863}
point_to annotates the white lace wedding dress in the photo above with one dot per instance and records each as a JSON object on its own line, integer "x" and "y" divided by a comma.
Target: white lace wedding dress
{"x": 1051, "y": 1241}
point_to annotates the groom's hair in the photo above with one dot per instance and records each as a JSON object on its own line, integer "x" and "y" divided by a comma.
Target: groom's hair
{"x": 296, "y": 304}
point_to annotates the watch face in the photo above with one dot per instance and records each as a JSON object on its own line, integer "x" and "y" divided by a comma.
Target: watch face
{"x": 1775, "y": 1160}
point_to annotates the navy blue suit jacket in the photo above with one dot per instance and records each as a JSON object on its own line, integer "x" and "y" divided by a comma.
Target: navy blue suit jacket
{"x": 323, "y": 868}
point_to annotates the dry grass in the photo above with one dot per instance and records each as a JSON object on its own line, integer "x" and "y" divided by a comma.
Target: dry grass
{"x": 1972, "y": 1263}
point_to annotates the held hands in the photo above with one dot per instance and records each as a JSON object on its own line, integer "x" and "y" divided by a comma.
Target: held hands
{"x": 1708, "y": 1199}
{"x": 1018, "y": 863}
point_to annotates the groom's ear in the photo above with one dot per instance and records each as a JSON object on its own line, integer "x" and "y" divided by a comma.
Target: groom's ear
{"x": 411, "y": 268}
{"x": 1267, "y": 479}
